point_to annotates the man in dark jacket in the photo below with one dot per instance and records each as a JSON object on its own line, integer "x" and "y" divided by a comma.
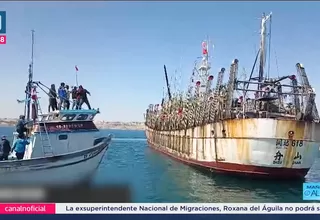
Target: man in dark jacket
{"x": 83, "y": 97}
{"x": 52, "y": 98}
{"x": 4, "y": 148}
{"x": 74, "y": 97}
{"x": 21, "y": 125}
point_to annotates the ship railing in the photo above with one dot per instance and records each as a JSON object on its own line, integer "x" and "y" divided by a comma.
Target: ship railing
{"x": 270, "y": 92}
{"x": 239, "y": 113}
{"x": 281, "y": 115}
{"x": 249, "y": 105}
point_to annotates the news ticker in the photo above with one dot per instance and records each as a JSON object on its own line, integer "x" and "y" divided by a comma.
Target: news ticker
{"x": 161, "y": 208}
{"x": 66, "y": 194}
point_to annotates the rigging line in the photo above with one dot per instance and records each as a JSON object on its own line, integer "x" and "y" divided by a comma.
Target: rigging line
{"x": 269, "y": 56}
{"x": 275, "y": 54}
{"x": 32, "y": 47}
{"x": 256, "y": 67}
{"x": 42, "y": 86}
{"x": 180, "y": 76}
{"x": 163, "y": 92}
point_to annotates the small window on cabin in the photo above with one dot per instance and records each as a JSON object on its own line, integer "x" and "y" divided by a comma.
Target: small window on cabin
{"x": 63, "y": 137}
{"x": 91, "y": 117}
{"x": 82, "y": 117}
{"x": 68, "y": 117}
{"x": 97, "y": 141}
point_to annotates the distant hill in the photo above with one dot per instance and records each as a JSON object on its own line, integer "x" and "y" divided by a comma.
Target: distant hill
{"x": 99, "y": 124}
{"x": 8, "y": 121}
{"x": 120, "y": 125}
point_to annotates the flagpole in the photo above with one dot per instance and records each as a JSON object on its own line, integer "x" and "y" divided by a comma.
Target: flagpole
{"x": 76, "y": 67}
{"x": 30, "y": 80}
{"x": 77, "y": 78}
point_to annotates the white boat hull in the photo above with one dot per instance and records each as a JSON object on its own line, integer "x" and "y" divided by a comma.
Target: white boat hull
{"x": 65, "y": 169}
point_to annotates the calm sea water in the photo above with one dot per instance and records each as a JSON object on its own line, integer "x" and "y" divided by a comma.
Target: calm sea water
{"x": 154, "y": 177}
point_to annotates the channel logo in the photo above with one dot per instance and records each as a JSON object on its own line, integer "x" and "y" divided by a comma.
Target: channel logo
{"x": 3, "y": 22}
{"x": 311, "y": 191}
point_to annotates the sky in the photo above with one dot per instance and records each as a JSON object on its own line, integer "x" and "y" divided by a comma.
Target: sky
{"x": 120, "y": 47}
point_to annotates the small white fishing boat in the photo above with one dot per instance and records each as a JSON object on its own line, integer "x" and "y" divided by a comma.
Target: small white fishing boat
{"x": 65, "y": 146}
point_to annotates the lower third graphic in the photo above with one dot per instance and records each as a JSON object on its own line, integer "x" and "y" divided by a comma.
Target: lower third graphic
{"x": 311, "y": 191}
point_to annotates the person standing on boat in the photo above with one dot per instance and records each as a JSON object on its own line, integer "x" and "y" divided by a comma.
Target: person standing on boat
{"x": 62, "y": 93}
{"x": 21, "y": 126}
{"x": 78, "y": 99}
{"x": 4, "y": 148}
{"x": 53, "y": 98}
{"x": 83, "y": 97}
{"x": 74, "y": 97}
{"x": 67, "y": 101}
{"x": 19, "y": 147}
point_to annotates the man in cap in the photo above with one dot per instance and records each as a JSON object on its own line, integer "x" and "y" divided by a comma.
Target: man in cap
{"x": 4, "y": 148}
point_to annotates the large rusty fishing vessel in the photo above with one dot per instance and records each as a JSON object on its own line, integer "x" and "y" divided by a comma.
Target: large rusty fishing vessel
{"x": 261, "y": 126}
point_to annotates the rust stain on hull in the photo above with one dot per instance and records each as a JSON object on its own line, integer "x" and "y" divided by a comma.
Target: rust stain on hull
{"x": 240, "y": 141}
{"x": 239, "y": 128}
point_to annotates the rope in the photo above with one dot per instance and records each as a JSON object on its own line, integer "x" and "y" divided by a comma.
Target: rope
{"x": 39, "y": 83}
{"x": 275, "y": 54}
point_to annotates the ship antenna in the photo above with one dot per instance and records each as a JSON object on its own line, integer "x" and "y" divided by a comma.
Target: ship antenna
{"x": 269, "y": 49}
{"x": 167, "y": 81}
{"x": 263, "y": 32}
{"x": 30, "y": 80}
{"x": 203, "y": 70}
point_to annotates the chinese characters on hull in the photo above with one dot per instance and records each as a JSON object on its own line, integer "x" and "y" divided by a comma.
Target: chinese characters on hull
{"x": 278, "y": 158}
{"x": 297, "y": 158}
{"x": 285, "y": 143}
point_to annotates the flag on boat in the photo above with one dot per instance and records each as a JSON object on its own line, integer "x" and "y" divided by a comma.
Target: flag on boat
{"x": 76, "y": 68}
{"x": 204, "y": 48}
{"x": 204, "y": 51}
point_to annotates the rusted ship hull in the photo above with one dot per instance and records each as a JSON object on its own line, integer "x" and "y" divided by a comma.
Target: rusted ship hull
{"x": 270, "y": 148}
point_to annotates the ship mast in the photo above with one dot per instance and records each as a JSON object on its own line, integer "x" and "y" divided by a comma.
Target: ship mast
{"x": 203, "y": 71}
{"x": 263, "y": 34}
{"x": 30, "y": 80}
{"x": 167, "y": 82}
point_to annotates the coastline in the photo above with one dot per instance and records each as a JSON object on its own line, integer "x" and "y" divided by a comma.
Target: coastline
{"x": 138, "y": 126}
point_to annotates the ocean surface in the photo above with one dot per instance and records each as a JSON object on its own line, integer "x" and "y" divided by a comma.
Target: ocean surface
{"x": 154, "y": 177}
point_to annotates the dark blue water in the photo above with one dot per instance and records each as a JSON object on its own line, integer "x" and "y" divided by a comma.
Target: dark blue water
{"x": 154, "y": 177}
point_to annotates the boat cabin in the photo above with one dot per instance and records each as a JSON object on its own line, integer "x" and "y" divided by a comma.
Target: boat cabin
{"x": 66, "y": 121}
{"x": 68, "y": 116}
{"x": 60, "y": 132}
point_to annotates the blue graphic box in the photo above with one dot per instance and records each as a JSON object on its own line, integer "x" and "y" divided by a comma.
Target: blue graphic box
{"x": 2, "y": 22}
{"x": 311, "y": 191}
